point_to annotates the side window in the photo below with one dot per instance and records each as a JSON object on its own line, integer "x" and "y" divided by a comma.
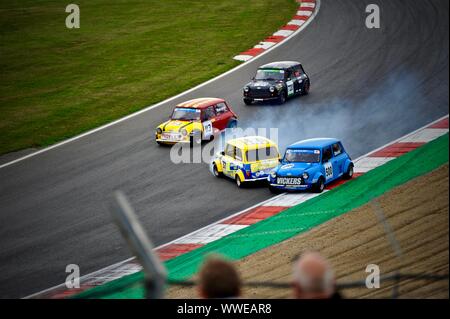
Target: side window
{"x": 229, "y": 150}
{"x": 289, "y": 74}
{"x": 238, "y": 154}
{"x": 297, "y": 71}
{"x": 326, "y": 156}
{"x": 208, "y": 113}
{"x": 337, "y": 149}
{"x": 221, "y": 108}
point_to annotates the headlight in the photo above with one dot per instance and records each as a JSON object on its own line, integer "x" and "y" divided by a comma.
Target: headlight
{"x": 272, "y": 89}
{"x": 183, "y": 132}
{"x": 158, "y": 130}
{"x": 246, "y": 89}
{"x": 273, "y": 174}
{"x": 305, "y": 175}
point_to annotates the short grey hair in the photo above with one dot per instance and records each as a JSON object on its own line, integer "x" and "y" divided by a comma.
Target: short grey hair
{"x": 323, "y": 284}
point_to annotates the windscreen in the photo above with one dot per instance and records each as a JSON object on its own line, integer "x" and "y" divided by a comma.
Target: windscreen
{"x": 261, "y": 154}
{"x": 185, "y": 114}
{"x": 269, "y": 74}
{"x": 302, "y": 156}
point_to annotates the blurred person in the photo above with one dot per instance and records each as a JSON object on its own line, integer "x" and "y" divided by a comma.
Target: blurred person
{"x": 218, "y": 278}
{"x": 313, "y": 277}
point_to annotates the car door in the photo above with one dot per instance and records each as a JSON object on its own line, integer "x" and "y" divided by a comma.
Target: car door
{"x": 338, "y": 159}
{"x": 229, "y": 162}
{"x": 297, "y": 78}
{"x": 223, "y": 116}
{"x": 208, "y": 122}
{"x": 327, "y": 164}
{"x": 290, "y": 89}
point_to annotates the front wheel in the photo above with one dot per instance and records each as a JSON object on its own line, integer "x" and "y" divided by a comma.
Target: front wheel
{"x": 282, "y": 98}
{"x": 196, "y": 139}
{"x": 274, "y": 190}
{"x": 248, "y": 101}
{"x": 319, "y": 186}
{"x": 216, "y": 171}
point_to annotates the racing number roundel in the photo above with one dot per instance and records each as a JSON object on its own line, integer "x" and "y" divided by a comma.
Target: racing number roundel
{"x": 207, "y": 129}
{"x": 290, "y": 87}
{"x": 328, "y": 170}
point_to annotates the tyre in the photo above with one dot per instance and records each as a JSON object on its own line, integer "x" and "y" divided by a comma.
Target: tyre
{"x": 319, "y": 186}
{"x": 239, "y": 183}
{"x": 216, "y": 171}
{"x": 349, "y": 173}
{"x": 232, "y": 123}
{"x": 274, "y": 190}
{"x": 306, "y": 88}
{"x": 248, "y": 101}
{"x": 196, "y": 139}
{"x": 282, "y": 98}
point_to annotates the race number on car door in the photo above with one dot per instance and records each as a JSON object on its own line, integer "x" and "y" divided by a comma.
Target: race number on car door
{"x": 328, "y": 170}
{"x": 207, "y": 130}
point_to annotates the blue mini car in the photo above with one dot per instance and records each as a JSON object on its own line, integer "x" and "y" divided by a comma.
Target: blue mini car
{"x": 311, "y": 164}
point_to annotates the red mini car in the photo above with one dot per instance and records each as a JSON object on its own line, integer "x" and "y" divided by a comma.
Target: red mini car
{"x": 196, "y": 120}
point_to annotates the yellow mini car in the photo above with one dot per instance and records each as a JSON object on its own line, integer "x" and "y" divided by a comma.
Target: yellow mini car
{"x": 196, "y": 120}
{"x": 246, "y": 159}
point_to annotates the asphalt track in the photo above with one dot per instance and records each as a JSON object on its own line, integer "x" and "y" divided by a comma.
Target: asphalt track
{"x": 368, "y": 87}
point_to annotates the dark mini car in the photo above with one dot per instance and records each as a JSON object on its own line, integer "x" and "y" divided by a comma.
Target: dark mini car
{"x": 277, "y": 81}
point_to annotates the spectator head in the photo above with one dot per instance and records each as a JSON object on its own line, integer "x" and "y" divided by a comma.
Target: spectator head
{"x": 218, "y": 278}
{"x": 313, "y": 277}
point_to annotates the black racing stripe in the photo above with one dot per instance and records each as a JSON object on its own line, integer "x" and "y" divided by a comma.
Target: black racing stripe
{"x": 164, "y": 127}
{"x": 182, "y": 127}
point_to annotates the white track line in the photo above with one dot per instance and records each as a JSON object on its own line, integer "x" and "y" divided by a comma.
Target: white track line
{"x": 167, "y": 100}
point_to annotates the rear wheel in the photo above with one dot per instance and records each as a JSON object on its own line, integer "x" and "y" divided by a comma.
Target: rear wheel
{"x": 349, "y": 173}
{"x": 239, "y": 183}
{"x": 248, "y": 101}
{"x": 319, "y": 186}
{"x": 306, "y": 87}
{"x": 232, "y": 123}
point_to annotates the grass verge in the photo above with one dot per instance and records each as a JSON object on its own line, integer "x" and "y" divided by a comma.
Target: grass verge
{"x": 58, "y": 82}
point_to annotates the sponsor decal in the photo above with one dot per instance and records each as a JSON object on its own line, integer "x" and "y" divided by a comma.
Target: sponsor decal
{"x": 289, "y": 180}
{"x": 187, "y": 110}
{"x": 293, "y": 150}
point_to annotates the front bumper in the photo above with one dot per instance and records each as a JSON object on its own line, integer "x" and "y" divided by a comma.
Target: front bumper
{"x": 255, "y": 179}
{"x": 172, "y": 138}
{"x": 261, "y": 96}
{"x": 263, "y": 99}
{"x": 291, "y": 187}
{"x": 304, "y": 185}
